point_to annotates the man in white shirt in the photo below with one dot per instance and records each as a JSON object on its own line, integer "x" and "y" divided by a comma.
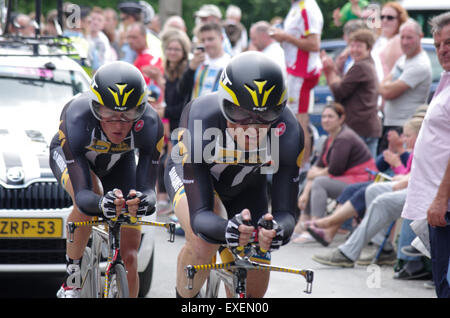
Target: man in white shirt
{"x": 430, "y": 171}
{"x": 263, "y": 42}
{"x": 203, "y": 74}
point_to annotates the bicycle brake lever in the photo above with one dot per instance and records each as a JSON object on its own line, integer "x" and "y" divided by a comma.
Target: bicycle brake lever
{"x": 190, "y": 273}
{"x": 171, "y": 230}
{"x": 309, "y": 280}
{"x": 70, "y": 231}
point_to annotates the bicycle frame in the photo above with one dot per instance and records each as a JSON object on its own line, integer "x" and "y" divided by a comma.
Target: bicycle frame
{"x": 111, "y": 238}
{"x": 236, "y": 276}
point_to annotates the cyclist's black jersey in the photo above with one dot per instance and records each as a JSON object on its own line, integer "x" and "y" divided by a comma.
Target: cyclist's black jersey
{"x": 206, "y": 159}
{"x": 83, "y": 146}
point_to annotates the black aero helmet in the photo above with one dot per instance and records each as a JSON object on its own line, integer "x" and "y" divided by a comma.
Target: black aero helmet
{"x": 252, "y": 89}
{"x": 118, "y": 87}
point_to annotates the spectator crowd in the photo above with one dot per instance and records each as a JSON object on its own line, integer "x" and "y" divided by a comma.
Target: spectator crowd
{"x": 377, "y": 121}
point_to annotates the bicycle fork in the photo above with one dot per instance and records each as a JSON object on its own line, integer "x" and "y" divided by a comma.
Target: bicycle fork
{"x": 113, "y": 257}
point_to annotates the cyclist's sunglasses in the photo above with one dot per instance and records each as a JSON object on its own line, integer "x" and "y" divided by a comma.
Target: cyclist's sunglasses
{"x": 108, "y": 115}
{"x": 239, "y": 115}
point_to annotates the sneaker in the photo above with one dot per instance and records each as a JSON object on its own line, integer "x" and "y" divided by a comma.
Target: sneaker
{"x": 73, "y": 275}
{"x": 411, "y": 251}
{"x": 68, "y": 292}
{"x": 404, "y": 274}
{"x": 334, "y": 258}
{"x": 385, "y": 258}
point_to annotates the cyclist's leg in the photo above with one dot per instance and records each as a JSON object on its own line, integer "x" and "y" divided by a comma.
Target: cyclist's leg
{"x": 257, "y": 283}
{"x": 195, "y": 251}
{"x": 130, "y": 239}
{"x": 75, "y": 249}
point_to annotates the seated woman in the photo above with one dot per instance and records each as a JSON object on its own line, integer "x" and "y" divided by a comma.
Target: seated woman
{"x": 343, "y": 160}
{"x": 352, "y": 200}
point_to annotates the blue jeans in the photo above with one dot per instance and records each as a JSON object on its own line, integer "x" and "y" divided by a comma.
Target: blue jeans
{"x": 407, "y": 235}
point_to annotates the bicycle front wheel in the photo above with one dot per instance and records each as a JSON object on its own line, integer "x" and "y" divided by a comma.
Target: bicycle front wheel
{"x": 118, "y": 283}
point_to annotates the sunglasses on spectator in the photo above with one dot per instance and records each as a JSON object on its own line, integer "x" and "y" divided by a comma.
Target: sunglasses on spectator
{"x": 388, "y": 17}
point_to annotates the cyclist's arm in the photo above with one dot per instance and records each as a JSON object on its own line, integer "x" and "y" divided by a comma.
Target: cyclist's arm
{"x": 199, "y": 191}
{"x": 73, "y": 142}
{"x": 150, "y": 142}
{"x": 284, "y": 199}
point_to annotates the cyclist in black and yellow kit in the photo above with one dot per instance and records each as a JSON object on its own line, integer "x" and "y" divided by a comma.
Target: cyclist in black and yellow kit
{"x": 229, "y": 141}
{"x": 93, "y": 157}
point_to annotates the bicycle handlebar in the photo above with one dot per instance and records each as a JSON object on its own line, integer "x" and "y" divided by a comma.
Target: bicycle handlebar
{"x": 125, "y": 218}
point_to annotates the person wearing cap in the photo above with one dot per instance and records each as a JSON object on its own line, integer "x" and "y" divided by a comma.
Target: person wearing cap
{"x": 233, "y": 20}
{"x": 130, "y": 12}
{"x": 210, "y": 13}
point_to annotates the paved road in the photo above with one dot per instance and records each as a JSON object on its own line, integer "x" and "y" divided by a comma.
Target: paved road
{"x": 329, "y": 282}
{"x": 359, "y": 282}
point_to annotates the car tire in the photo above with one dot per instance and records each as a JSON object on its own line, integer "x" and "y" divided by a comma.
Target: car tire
{"x": 145, "y": 278}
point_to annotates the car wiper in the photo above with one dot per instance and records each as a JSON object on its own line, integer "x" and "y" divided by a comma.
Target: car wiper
{"x": 32, "y": 82}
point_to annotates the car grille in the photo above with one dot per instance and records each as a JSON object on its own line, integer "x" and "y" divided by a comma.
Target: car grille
{"x": 38, "y": 195}
{"x": 32, "y": 251}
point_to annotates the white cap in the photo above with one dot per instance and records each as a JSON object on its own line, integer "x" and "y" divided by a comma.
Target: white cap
{"x": 208, "y": 10}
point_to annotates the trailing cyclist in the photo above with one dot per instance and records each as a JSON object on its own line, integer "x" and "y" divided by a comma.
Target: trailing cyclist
{"x": 93, "y": 156}
{"x": 230, "y": 143}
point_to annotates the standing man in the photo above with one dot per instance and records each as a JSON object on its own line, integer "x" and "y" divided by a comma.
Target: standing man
{"x": 203, "y": 74}
{"x": 407, "y": 86}
{"x": 150, "y": 66}
{"x": 430, "y": 172}
{"x": 300, "y": 40}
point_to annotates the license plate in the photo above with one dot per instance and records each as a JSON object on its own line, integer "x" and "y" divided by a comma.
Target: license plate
{"x": 31, "y": 227}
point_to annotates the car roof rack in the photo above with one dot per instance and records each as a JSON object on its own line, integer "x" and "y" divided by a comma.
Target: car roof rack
{"x": 62, "y": 44}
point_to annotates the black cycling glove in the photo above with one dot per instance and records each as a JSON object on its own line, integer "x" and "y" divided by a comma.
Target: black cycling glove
{"x": 232, "y": 231}
{"x": 273, "y": 225}
{"x": 145, "y": 207}
{"x": 107, "y": 204}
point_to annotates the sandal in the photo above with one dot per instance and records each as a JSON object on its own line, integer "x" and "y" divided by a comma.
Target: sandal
{"x": 318, "y": 235}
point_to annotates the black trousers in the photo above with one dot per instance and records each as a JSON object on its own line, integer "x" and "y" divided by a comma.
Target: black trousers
{"x": 440, "y": 255}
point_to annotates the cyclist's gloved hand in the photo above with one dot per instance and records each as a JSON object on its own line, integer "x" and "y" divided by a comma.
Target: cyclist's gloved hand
{"x": 145, "y": 207}
{"x": 279, "y": 232}
{"x": 232, "y": 233}
{"x": 107, "y": 204}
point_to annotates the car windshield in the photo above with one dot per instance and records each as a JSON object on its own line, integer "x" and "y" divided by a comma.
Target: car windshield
{"x": 34, "y": 98}
{"x": 21, "y": 86}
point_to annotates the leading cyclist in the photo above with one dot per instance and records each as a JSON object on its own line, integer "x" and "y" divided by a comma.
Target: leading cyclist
{"x": 229, "y": 143}
{"x": 93, "y": 157}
